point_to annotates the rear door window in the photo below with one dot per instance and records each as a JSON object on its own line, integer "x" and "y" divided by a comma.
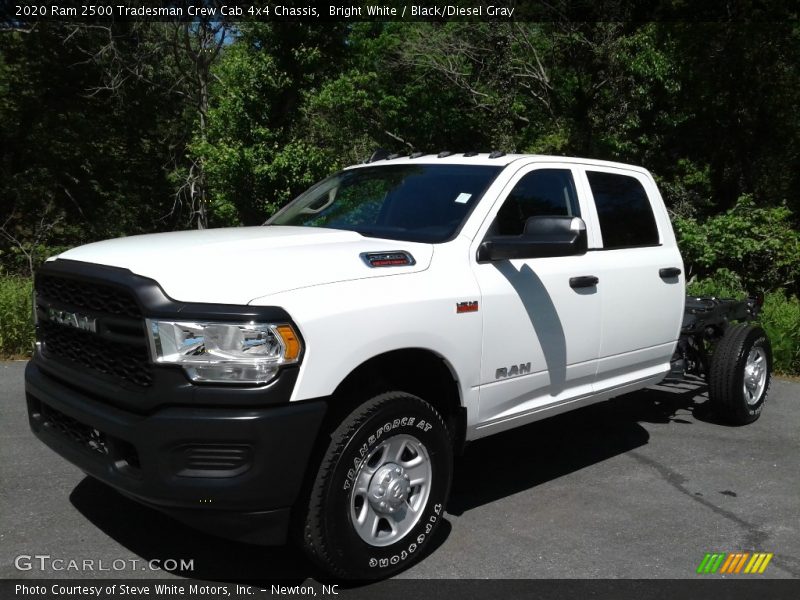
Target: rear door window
{"x": 625, "y": 213}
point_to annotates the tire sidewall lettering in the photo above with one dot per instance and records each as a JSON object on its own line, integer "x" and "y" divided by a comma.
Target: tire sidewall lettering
{"x": 412, "y": 547}
{"x": 378, "y": 436}
{"x": 374, "y": 432}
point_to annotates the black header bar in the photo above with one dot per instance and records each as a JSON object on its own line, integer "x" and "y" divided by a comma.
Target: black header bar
{"x": 27, "y": 12}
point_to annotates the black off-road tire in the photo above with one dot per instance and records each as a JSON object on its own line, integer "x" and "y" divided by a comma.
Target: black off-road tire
{"x": 726, "y": 382}
{"x": 329, "y": 535}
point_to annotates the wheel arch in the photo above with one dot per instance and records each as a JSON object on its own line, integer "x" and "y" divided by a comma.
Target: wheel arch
{"x": 418, "y": 371}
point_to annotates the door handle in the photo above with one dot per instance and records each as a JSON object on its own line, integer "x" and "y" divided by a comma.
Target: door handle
{"x": 583, "y": 281}
{"x": 669, "y": 272}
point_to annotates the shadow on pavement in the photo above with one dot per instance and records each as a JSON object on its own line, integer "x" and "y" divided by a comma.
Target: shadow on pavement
{"x": 155, "y": 536}
{"x": 490, "y": 469}
{"x": 520, "y": 459}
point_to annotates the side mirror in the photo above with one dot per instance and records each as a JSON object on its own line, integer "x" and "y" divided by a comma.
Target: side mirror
{"x": 543, "y": 237}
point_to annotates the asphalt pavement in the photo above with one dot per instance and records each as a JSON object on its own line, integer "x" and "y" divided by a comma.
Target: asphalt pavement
{"x": 639, "y": 487}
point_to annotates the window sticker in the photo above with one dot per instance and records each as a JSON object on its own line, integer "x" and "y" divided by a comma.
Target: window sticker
{"x": 463, "y": 198}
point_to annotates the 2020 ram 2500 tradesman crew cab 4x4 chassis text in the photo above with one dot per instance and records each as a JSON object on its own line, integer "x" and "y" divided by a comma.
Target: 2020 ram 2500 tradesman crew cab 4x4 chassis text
{"x": 316, "y": 374}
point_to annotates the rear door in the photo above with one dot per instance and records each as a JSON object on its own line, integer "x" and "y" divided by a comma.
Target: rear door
{"x": 641, "y": 285}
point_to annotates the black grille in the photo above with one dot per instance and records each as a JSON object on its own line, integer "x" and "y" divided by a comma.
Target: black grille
{"x": 87, "y": 437}
{"x": 128, "y": 362}
{"x": 93, "y": 297}
{"x": 118, "y": 349}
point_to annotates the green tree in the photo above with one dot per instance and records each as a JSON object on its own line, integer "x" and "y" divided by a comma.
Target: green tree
{"x": 256, "y": 151}
{"x": 84, "y": 157}
{"x": 756, "y": 246}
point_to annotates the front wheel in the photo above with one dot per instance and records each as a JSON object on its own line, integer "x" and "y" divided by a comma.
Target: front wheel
{"x": 381, "y": 488}
{"x": 740, "y": 374}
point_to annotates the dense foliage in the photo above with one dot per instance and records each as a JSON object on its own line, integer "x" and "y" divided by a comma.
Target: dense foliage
{"x": 16, "y": 316}
{"x": 758, "y": 246}
{"x": 134, "y": 127}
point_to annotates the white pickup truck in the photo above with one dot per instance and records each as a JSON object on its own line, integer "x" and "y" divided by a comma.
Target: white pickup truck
{"x": 314, "y": 378}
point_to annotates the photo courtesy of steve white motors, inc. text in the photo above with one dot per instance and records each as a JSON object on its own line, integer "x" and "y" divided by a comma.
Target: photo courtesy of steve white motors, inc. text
{"x": 140, "y": 590}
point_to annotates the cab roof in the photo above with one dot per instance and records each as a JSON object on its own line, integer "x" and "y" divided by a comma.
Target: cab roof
{"x": 485, "y": 158}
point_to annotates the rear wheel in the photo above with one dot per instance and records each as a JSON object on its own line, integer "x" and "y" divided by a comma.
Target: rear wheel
{"x": 740, "y": 374}
{"x": 381, "y": 488}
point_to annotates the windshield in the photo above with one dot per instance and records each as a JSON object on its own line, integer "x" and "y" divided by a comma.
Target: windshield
{"x": 415, "y": 203}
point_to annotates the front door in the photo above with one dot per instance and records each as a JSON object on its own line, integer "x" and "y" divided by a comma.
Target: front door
{"x": 541, "y": 316}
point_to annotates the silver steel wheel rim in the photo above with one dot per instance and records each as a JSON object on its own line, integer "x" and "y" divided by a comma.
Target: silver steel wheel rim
{"x": 391, "y": 490}
{"x": 755, "y": 376}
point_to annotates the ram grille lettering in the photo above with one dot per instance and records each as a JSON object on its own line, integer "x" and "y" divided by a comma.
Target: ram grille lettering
{"x": 71, "y": 319}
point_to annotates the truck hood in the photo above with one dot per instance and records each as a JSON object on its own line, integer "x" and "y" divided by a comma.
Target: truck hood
{"x": 238, "y": 265}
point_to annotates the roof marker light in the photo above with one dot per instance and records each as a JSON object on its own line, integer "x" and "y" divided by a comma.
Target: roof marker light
{"x": 379, "y": 154}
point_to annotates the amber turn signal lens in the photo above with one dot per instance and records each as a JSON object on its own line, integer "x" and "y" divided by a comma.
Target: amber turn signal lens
{"x": 290, "y": 342}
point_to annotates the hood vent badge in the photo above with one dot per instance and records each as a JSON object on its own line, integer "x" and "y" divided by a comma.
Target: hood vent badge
{"x": 393, "y": 258}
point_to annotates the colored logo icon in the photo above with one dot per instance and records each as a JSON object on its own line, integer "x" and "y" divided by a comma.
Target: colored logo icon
{"x": 734, "y": 562}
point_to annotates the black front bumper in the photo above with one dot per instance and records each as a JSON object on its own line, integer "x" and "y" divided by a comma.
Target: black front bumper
{"x": 232, "y": 471}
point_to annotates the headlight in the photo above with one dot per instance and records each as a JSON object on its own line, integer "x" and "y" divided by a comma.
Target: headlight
{"x": 224, "y": 352}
